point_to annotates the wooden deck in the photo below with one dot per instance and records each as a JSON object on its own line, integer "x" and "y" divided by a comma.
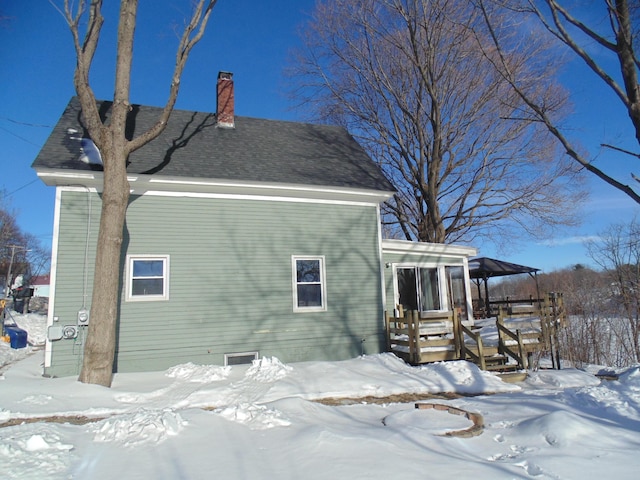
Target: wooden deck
{"x": 504, "y": 343}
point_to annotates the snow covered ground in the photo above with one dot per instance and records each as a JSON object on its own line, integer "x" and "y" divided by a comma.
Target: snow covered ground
{"x": 262, "y": 422}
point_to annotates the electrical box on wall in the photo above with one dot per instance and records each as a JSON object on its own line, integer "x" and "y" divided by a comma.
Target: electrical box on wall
{"x": 54, "y": 332}
{"x": 59, "y": 332}
{"x": 69, "y": 332}
{"x": 83, "y": 317}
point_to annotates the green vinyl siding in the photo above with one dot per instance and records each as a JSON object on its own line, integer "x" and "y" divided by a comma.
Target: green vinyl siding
{"x": 230, "y": 280}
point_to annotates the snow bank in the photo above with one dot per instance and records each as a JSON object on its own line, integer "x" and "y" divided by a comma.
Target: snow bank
{"x": 380, "y": 376}
{"x": 143, "y": 426}
{"x": 256, "y": 421}
{"x": 198, "y": 373}
{"x": 257, "y": 417}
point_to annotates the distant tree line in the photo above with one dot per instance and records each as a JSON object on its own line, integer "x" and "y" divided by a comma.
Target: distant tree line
{"x": 603, "y": 304}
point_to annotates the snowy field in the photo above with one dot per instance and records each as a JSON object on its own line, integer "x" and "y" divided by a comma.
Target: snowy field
{"x": 263, "y": 422}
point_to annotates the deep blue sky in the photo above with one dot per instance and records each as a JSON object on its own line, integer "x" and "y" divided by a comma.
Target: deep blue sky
{"x": 252, "y": 39}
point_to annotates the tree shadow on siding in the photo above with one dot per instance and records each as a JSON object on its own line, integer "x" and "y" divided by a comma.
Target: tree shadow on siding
{"x": 126, "y": 238}
{"x": 344, "y": 316}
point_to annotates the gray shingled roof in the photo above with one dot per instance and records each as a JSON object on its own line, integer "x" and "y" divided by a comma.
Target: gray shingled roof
{"x": 255, "y": 150}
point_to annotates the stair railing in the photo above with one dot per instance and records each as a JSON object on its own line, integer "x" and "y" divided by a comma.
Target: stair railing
{"x": 467, "y": 352}
{"x": 519, "y": 356}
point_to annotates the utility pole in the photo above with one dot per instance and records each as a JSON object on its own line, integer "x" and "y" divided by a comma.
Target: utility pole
{"x": 13, "y": 251}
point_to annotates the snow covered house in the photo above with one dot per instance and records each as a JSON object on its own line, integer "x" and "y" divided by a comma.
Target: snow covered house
{"x": 244, "y": 237}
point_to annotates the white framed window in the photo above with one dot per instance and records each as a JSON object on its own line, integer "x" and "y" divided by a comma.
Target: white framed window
{"x": 309, "y": 286}
{"x": 147, "y": 277}
{"x": 421, "y": 287}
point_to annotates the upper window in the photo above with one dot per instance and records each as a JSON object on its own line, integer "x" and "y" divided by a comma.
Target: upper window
{"x": 148, "y": 278}
{"x": 309, "y": 284}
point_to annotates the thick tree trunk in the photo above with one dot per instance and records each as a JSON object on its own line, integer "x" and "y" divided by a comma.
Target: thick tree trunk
{"x": 101, "y": 341}
{"x": 99, "y": 352}
{"x": 628, "y": 69}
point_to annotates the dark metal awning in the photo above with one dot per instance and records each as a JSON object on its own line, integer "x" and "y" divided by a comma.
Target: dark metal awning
{"x": 484, "y": 267}
{"x": 481, "y": 269}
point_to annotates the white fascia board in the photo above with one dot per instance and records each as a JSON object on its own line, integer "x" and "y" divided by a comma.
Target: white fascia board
{"x": 421, "y": 248}
{"x": 74, "y": 178}
{"x": 262, "y": 189}
{"x": 61, "y": 178}
{"x": 141, "y": 184}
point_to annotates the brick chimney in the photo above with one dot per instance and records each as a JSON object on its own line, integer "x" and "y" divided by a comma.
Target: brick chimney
{"x": 224, "y": 103}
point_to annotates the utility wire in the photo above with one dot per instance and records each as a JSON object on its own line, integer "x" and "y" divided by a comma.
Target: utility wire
{"x": 26, "y": 124}
{"x": 18, "y": 136}
{"x": 20, "y": 188}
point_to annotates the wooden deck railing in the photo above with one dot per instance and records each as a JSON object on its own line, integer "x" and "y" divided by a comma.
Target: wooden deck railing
{"x": 422, "y": 337}
{"x": 523, "y": 329}
{"x": 505, "y": 348}
{"x": 477, "y": 356}
{"x": 438, "y": 336}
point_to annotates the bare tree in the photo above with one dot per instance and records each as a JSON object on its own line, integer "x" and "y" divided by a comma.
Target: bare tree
{"x": 587, "y": 337}
{"x": 20, "y": 252}
{"x": 597, "y": 330}
{"x": 115, "y": 148}
{"x": 618, "y": 253}
{"x": 607, "y": 47}
{"x": 409, "y": 79}
{"x": 13, "y": 243}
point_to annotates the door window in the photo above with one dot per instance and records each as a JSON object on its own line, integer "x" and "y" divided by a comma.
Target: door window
{"x": 418, "y": 288}
{"x": 458, "y": 289}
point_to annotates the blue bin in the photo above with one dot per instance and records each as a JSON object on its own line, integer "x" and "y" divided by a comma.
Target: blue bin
{"x": 17, "y": 336}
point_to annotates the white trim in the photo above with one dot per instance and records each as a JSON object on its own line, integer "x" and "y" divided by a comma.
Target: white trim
{"x": 51, "y": 174}
{"x": 420, "y": 248}
{"x": 383, "y": 285}
{"x": 323, "y": 283}
{"x": 141, "y": 184}
{"x": 442, "y": 281}
{"x": 129, "y": 278}
{"x": 48, "y": 348}
{"x": 443, "y": 284}
{"x": 227, "y": 356}
{"x": 76, "y": 188}
{"x": 260, "y": 198}
{"x": 467, "y": 280}
{"x": 280, "y": 188}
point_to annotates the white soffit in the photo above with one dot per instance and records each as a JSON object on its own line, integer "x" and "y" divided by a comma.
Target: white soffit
{"x": 141, "y": 184}
{"x": 421, "y": 248}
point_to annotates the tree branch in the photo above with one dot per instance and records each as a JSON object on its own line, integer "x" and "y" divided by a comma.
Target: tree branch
{"x": 85, "y": 52}
{"x": 628, "y": 152}
{"x": 542, "y": 116}
{"x": 198, "y": 24}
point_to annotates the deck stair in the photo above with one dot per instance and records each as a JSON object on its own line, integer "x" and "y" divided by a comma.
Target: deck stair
{"x": 521, "y": 329}
{"x": 424, "y": 337}
{"x": 487, "y": 357}
{"x": 500, "y": 363}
